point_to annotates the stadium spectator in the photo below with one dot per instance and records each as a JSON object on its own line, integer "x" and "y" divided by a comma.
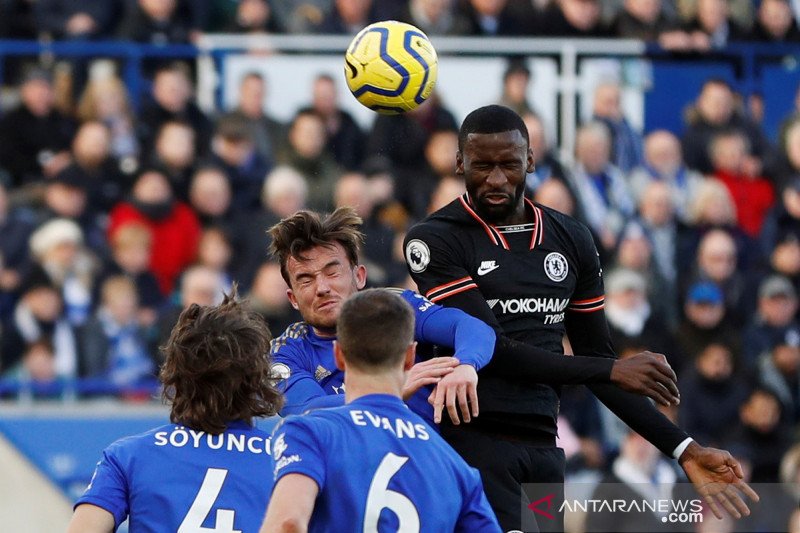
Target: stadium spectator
{"x": 267, "y": 297}
{"x": 284, "y": 193}
{"x": 377, "y": 251}
{"x": 172, "y": 101}
{"x": 402, "y": 140}
{"x": 647, "y": 20}
{"x": 711, "y": 208}
{"x": 716, "y": 261}
{"x": 60, "y": 259}
{"x": 253, "y": 16}
{"x": 35, "y": 137}
{"x": 711, "y": 394}
{"x": 269, "y": 134}
{"x": 784, "y": 168}
{"x": 210, "y": 197}
{"x": 712, "y": 27}
{"x": 174, "y": 226}
{"x": 715, "y": 112}
{"x": 775, "y": 23}
{"x": 554, "y": 193}
{"x": 351, "y": 16}
{"x": 215, "y": 251}
{"x": 199, "y": 285}
{"x": 783, "y": 219}
{"x": 762, "y": 434}
{"x": 663, "y": 162}
{"x": 376, "y": 364}
{"x": 306, "y": 154}
{"x": 64, "y": 19}
{"x": 752, "y": 194}
{"x": 779, "y": 371}
{"x": 657, "y": 219}
{"x": 37, "y": 368}
{"x": 94, "y": 164}
{"x": 548, "y": 165}
{"x": 105, "y": 99}
{"x": 158, "y": 22}
{"x": 435, "y": 17}
{"x": 113, "y": 344}
{"x": 639, "y": 471}
{"x": 632, "y": 321}
{"x": 136, "y": 475}
{"x": 516, "y": 82}
{"x": 785, "y": 258}
{"x": 345, "y": 139}
{"x": 635, "y": 253}
{"x": 16, "y": 226}
{"x": 494, "y": 17}
{"x": 438, "y": 163}
{"x": 626, "y": 143}
{"x": 66, "y": 195}
{"x": 705, "y": 323}
{"x": 174, "y": 155}
{"x": 233, "y": 150}
{"x": 775, "y": 315}
{"x": 38, "y": 316}
{"x": 602, "y": 191}
{"x": 448, "y": 189}
{"x": 574, "y": 18}
{"x": 300, "y": 16}
{"x": 131, "y": 252}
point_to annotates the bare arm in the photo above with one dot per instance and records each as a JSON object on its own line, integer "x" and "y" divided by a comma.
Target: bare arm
{"x": 291, "y": 505}
{"x": 89, "y": 518}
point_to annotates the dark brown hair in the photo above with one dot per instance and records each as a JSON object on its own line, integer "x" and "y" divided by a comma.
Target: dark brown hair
{"x": 366, "y": 346}
{"x": 293, "y": 236}
{"x": 217, "y": 367}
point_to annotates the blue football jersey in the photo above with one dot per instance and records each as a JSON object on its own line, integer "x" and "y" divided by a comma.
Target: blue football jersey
{"x": 175, "y": 479}
{"x": 306, "y": 365}
{"x": 380, "y": 468}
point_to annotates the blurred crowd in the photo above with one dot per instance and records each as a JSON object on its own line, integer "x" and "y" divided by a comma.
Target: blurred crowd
{"x": 112, "y": 221}
{"x": 685, "y": 25}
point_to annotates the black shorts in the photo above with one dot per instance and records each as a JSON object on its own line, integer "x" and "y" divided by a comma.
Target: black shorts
{"x": 506, "y": 463}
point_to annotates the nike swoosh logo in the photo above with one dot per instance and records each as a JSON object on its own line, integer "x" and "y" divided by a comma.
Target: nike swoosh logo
{"x": 482, "y": 271}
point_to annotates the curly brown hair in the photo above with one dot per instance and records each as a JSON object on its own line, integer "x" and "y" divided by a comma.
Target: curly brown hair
{"x": 217, "y": 367}
{"x": 293, "y": 236}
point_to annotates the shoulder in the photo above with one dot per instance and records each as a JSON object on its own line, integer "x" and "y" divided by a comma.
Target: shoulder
{"x": 293, "y": 336}
{"x": 558, "y": 221}
{"x": 128, "y": 447}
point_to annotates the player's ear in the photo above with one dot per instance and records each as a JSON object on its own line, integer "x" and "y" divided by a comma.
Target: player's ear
{"x": 292, "y": 299}
{"x": 361, "y": 276}
{"x": 411, "y": 356}
{"x": 531, "y": 161}
{"x": 338, "y": 356}
{"x": 459, "y": 164}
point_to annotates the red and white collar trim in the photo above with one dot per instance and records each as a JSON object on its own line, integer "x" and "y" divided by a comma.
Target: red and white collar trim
{"x": 494, "y": 233}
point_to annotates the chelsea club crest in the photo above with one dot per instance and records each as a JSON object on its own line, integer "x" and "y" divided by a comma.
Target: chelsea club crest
{"x": 556, "y": 266}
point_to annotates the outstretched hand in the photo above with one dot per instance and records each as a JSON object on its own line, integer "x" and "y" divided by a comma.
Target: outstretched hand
{"x": 719, "y": 479}
{"x": 649, "y": 374}
{"x": 428, "y": 372}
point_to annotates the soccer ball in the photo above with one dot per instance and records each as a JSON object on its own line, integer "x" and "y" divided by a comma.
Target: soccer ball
{"x": 390, "y": 67}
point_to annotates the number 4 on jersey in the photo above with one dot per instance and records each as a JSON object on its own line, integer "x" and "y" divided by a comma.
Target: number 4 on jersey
{"x": 380, "y": 498}
{"x": 202, "y": 504}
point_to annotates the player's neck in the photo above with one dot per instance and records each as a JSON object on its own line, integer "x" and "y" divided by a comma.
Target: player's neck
{"x": 325, "y": 333}
{"x": 358, "y": 384}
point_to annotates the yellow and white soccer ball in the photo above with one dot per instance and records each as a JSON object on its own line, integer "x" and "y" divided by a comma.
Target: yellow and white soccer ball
{"x": 391, "y": 67}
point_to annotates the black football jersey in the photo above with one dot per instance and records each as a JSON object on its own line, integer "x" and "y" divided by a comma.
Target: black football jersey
{"x": 531, "y": 277}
